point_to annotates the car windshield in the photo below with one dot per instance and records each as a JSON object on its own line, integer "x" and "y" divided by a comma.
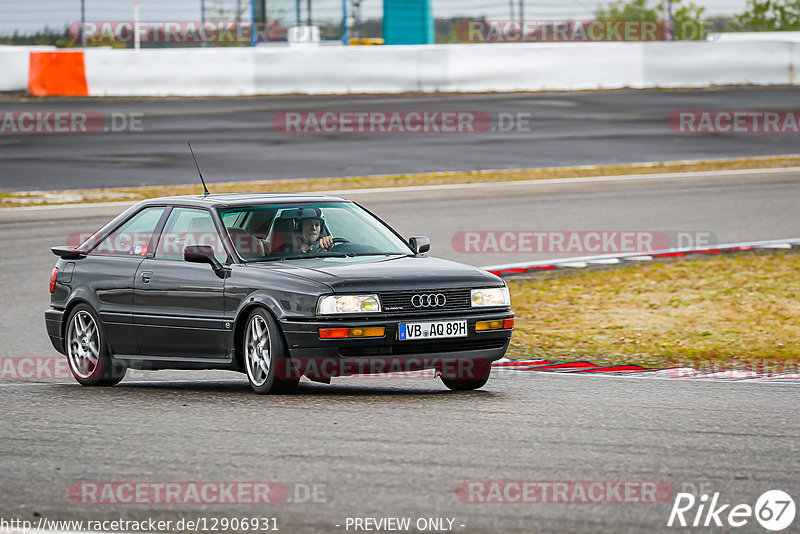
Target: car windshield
{"x": 281, "y": 232}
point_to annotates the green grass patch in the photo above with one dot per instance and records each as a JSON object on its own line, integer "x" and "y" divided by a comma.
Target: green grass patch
{"x": 724, "y": 311}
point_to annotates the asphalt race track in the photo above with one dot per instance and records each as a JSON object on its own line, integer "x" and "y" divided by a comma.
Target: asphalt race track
{"x": 235, "y": 138}
{"x": 401, "y": 447}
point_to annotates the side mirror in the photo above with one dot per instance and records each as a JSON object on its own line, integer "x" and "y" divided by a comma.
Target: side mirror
{"x": 420, "y": 244}
{"x": 201, "y": 254}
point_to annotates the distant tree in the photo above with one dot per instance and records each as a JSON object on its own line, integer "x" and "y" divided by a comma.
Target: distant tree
{"x": 688, "y": 20}
{"x": 719, "y": 23}
{"x": 769, "y": 16}
{"x": 449, "y": 31}
{"x": 217, "y": 10}
{"x": 45, "y": 37}
{"x": 630, "y": 10}
{"x": 370, "y": 29}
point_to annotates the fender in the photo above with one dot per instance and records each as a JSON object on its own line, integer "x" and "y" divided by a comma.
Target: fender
{"x": 82, "y": 294}
{"x": 256, "y": 298}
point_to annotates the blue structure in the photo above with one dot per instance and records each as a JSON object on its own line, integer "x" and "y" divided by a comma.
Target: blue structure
{"x": 407, "y": 22}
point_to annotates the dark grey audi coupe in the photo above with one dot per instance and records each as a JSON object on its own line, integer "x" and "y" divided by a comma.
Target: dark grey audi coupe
{"x": 274, "y": 286}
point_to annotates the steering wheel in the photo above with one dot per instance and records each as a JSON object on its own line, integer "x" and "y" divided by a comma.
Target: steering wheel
{"x": 337, "y": 241}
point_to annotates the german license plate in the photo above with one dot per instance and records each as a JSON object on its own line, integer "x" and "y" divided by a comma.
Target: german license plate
{"x": 431, "y": 330}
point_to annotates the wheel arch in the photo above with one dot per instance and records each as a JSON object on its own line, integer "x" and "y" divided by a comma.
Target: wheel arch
{"x": 254, "y": 301}
{"x": 71, "y": 305}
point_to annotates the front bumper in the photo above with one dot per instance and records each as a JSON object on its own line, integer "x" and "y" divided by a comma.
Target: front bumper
{"x": 342, "y": 357}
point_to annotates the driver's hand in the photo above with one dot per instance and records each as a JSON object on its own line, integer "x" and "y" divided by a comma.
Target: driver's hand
{"x": 326, "y": 242}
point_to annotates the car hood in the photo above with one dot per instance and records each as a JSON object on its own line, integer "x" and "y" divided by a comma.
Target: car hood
{"x": 370, "y": 273}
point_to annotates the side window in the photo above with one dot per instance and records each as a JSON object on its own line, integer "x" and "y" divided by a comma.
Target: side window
{"x": 189, "y": 226}
{"x": 132, "y": 237}
{"x": 233, "y": 219}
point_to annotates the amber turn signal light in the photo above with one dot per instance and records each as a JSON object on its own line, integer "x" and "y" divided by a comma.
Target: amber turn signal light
{"x": 496, "y": 324}
{"x": 341, "y": 333}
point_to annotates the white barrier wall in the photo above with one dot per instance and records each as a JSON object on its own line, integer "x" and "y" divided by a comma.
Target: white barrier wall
{"x": 351, "y": 69}
{"x": 564, "y": 66}
{"x": 397, "y": 69}
{"x": 700, "y": 64}
{"x": 755, "y": 36}
{"x": 165, "y": 72}
{"x": 523, "y": 67}
{"x": 14, "y": 64}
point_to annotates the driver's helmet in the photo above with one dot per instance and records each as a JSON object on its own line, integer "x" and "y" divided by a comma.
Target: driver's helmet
{"x": 310, "y": 214}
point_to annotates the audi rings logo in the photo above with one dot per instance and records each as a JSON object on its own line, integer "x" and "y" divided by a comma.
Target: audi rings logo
{"x": 431, "y": 300}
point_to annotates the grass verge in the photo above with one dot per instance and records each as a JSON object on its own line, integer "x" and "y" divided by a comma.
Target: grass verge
{"x": 725, "y": 311}
{"x": 303, "y": 185}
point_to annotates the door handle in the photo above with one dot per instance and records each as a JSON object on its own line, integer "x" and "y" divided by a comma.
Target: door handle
{"x": 146, "y": 276}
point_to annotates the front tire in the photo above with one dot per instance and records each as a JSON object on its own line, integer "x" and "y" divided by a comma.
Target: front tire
{"x": 475, "y": 378}
{"x": 87, "y": 350}
{"x": 265, "y": 354}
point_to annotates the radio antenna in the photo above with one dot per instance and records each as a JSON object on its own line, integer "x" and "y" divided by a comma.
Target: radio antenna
{"x": 205, "y": 189}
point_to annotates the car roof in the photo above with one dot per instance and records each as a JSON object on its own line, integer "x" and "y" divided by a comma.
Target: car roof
{"x": 241, "y": 199}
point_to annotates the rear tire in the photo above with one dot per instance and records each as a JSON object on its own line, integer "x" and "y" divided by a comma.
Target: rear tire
{"x": 87, "y": 349}
{"x": 265, "y": 355}
{"x": 476, "y": 377}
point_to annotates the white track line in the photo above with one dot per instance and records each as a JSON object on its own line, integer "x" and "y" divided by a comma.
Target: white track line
{"x": 651, "y": 375}
{"x": 511, "y": 183}
{"x": 554, "y": 181}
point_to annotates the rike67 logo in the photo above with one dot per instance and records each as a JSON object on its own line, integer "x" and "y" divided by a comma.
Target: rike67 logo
{"x": 774, "y": 510}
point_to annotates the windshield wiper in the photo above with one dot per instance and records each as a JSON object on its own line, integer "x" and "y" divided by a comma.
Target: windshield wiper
{"x": 377, "y": 254}
{"x": 353, "y": 255}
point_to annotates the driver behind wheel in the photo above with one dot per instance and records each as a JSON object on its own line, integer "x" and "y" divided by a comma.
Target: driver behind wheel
{"x": 309, "y": 238}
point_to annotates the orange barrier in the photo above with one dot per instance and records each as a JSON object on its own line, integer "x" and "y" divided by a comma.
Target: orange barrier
{"x": 57, "y": 74}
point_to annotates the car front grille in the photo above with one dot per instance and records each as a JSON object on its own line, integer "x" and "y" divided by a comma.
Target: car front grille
{"x": 400, "y": 301}
{"x": 432, "y": 348}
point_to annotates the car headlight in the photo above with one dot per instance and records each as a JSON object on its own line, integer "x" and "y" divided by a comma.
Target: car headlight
{"x": 496, "y": 296}
{"x": 334, "y": 304}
